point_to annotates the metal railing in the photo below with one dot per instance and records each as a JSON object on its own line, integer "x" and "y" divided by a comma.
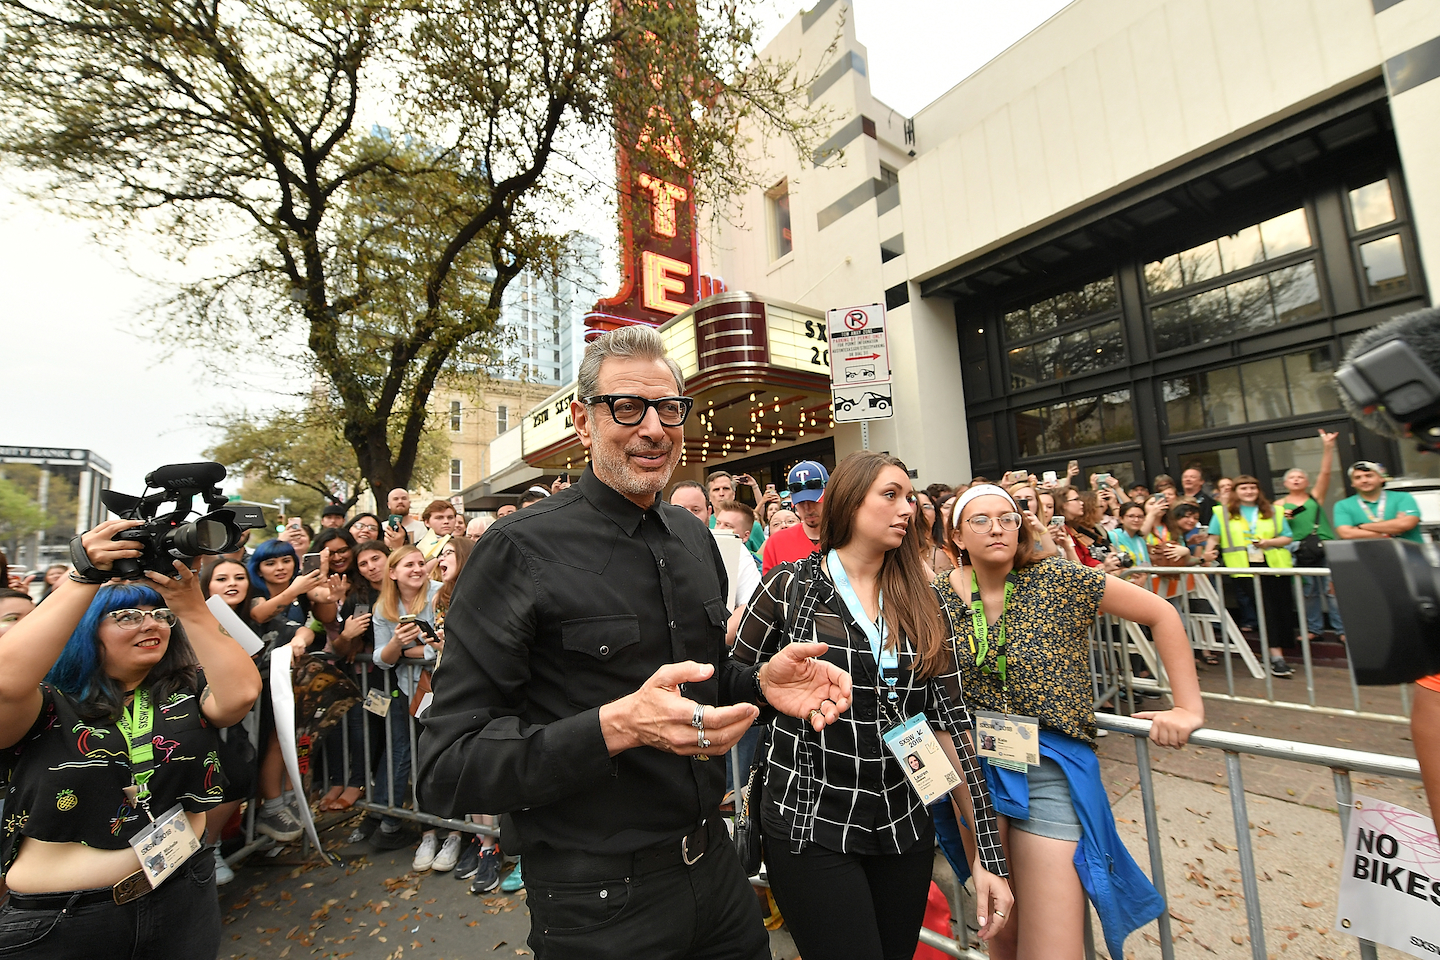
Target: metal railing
{"x": 1200, "y": 600}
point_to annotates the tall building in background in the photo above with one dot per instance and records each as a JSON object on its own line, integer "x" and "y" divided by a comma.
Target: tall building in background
{"x": 543, "y": 312}
{"x": 65, "y": 485}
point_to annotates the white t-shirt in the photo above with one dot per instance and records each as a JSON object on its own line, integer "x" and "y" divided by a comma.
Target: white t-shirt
{"x": 740, "y": 568}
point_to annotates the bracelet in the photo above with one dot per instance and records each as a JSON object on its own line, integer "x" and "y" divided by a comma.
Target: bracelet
{"x": 760, "y": 694}
{"x": 75, "y": 577}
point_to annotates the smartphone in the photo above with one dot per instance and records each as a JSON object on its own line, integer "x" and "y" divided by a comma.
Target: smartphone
{"x": 1104, "y": 477}
{"x": 564, "y": 478}
{"x": 1023, "y": 503}
{"x": 1049, "y": 476}
{"x": 295, "y": 523}
{"x": 394, "y": 521}
{"x": 1072, "y": 466}
{"x": 361, "y": 609}
{"x": 1057, "y": 521}
{"x": 769, "y": 488}
{"x": 310, "y": 563}
{"x": 406, "y": 618}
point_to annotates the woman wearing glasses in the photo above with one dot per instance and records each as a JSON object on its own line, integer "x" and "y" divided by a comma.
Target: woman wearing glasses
{"x": 1023, "y": 638}
{"x": 849, "y": 843}
{"x": 92, "y": 672}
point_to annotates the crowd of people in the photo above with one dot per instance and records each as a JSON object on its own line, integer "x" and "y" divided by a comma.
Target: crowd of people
{"x": 575, "y": 660}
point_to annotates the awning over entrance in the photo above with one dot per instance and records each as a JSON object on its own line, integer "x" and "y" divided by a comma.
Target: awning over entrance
{"x": 759, "y": 371}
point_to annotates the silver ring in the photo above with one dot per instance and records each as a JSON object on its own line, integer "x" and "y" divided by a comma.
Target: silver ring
{"x": 700, "y": 738}
{"x": 999, "y": 914}
{"x": 698, "y": 720}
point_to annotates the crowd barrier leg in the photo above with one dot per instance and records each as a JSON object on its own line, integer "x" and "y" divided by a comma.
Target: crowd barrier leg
{"x": 1153, "y": 844}
{"x": 1264, "y": 628}
{"x": 1344, "y": 803}
{"x": 1304, "y": 622}
{"x": 1248, "y": 880}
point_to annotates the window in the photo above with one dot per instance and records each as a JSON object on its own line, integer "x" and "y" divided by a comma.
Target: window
{"x": 889, "y": 176}
{"x": 1073, "y": 424}
{"x": 502, "y": 418}
{"x": 778, "y": 207}
{"x": 1372, "y": 205}
{"x": 1083, "y": 349}
{"x": 1275, "y": 298}
{"x": 982, "y": 441}
{"x": 456, "y": 481}
{"x": 1292, "y": 385}
{"x": 1384, "y": 263}
{"x": 454, "y": 416}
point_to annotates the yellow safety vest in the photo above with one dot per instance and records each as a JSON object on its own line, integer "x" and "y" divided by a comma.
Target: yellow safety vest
{"x": 1235, "y": 534}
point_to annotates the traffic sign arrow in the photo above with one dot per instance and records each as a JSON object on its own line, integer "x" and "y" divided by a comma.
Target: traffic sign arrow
{"x": 866, "y": 356}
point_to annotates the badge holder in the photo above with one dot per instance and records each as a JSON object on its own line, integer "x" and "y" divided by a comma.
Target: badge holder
{"x": 168, "y": 842}
{"x": 377, "y": 703}
{"x": 924, "y": 762}
{"x": 1007, "y": 740}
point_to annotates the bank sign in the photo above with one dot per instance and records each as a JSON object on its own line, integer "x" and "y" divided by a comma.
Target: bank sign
{"x": 1390, "y": 879}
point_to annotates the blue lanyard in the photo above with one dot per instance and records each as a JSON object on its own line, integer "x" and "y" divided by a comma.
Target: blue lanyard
{"x": 888, "y": 661}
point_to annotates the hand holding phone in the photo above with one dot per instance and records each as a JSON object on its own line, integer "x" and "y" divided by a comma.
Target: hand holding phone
{"x": 310, "y": 563}
{"x": 394, "y": 521}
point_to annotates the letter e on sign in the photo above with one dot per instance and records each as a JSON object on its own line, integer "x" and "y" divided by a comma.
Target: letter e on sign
{"x": 661, "y": 276}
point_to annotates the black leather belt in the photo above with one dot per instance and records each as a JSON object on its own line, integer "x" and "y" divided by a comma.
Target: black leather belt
{"x": 576, "y": 866}
{"x": 131, "y": 888}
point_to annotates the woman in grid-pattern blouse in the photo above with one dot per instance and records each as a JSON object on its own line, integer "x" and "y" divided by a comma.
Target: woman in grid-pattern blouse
{"x": 848, "y": 843}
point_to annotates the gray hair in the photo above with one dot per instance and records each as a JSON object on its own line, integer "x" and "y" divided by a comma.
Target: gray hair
{"x": 637, "y": 341}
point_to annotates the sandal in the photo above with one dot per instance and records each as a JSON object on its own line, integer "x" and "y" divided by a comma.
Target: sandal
{"x": 330, "y": 798}
{"x": 1210, "y": 657}
{"x": 345, "y": 800}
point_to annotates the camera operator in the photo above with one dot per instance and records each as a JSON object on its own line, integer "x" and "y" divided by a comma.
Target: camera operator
{"x": 89, "y": 674}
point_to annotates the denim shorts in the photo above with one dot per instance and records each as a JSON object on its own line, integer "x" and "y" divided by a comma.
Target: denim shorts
{"x": 1052, "y": 813}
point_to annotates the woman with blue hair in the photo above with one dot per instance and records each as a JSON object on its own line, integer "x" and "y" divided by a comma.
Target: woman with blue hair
{"x": 109, "y": 706}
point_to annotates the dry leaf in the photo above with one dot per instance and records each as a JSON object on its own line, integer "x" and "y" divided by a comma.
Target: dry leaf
{"x": 1310, "y": 903}
{"x": 1180, "y": 918}
{"x": 1235, "y": 937}
{"x": 472, "y": 923}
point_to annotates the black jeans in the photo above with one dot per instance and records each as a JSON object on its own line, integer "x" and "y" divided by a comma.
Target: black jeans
{"x": 844, "y": 905}
{"x": 706, "y": 911}
{"x": 180, "y": 920}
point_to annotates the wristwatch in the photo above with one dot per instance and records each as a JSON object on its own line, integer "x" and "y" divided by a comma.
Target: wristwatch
{"x": 760, "y": 694}
{"x": 85, "y": 571}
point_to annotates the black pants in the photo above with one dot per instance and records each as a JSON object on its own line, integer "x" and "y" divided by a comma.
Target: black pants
{"x": 843, "y": 905}
{"x": 706, "y": 911}
{"x": 180, "y": 920}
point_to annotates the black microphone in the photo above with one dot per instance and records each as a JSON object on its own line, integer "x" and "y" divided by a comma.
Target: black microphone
{"x": 186, "y": 476}
{"x": 1390, "y": 380}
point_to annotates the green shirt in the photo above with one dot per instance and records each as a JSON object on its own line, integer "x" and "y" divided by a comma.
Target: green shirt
{"x": 1350, "y": 512}
{"x": 756, "y": 540}
{"x": 1305, "y": 517}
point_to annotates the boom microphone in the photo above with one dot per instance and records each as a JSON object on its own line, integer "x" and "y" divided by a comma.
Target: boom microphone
{"x": 1390, "y": 380}
{"x": 186, "y": 476}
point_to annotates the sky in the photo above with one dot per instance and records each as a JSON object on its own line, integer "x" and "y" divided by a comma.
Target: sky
{"x": 81, "y": 369}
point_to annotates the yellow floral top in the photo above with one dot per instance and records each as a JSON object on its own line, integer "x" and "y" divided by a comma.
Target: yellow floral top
{"x": 1047, "y": 644}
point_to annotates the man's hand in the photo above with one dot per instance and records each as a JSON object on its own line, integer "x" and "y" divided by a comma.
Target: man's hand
{"x": 799, "y": 684}
{"x": 658, "y": 715}
{"x": 394, "y": 539}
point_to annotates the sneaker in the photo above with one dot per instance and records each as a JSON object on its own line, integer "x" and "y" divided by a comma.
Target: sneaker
{"x": 449, "y": 853}
{"x": 223, "y": 873}
{"x": 362, "y": 832}
{"x": 514, "y": 881}
{"x": 469, "y": 860}
{"x": 1279, "y": 668}
{"x": 278, "y": 824}
{"x": 396, "y": 839}
{"x": 425, "y": 854}
{"x": 487, "y": 872}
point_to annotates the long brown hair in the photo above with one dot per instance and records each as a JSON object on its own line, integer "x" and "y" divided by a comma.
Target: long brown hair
{"x": 462, "y": 547}
{"x": 1232, "y": 502}
{"x": 390, "y": 599}
{"x": 911, "y": 607}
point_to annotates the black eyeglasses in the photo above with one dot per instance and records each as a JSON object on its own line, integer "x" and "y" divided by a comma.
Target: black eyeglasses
{"x": 629, "y": 410}
{"x": 814, "y": 483}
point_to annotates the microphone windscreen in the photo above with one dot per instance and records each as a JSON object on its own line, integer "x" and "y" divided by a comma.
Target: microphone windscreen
{"x": 193, "y": 475}
{"x": 1421, "y": 332}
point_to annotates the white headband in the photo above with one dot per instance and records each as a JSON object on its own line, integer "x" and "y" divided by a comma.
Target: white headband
{"x": 979, "y": 490}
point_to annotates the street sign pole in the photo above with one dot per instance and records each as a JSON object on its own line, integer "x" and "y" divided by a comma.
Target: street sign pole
{"x": 864, "y": 434}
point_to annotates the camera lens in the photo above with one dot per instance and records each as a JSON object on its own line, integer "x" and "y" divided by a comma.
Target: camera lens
{"x": 197, "y": 537}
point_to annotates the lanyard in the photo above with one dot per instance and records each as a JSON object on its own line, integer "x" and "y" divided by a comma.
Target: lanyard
{"x": 1378, "y": 513}
{"x": 888, "y": 661}
{"x": 982, "y": 628}
{"x": 137, "y": 724}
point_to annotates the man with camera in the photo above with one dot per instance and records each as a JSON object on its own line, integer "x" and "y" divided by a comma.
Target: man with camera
{"x": 586, "y": 684}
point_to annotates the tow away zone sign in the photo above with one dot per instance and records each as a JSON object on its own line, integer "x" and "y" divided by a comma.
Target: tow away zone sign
{"x": 859, "y": 364}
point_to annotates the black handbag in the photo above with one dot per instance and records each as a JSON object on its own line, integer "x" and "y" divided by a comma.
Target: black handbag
{"x": 1310, "y": 552}
{"x": 748, "y": 842}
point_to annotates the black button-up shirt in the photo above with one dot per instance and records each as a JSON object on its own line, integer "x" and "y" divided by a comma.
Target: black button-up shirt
{"x": 563, "y": 607}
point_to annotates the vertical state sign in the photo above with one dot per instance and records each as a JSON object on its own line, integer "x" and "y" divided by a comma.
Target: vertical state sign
{"x": 859, "y": 364}
{"x": 1390, "y": 878}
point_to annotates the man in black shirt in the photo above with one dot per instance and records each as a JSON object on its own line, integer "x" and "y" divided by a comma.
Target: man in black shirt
{"x": 1192, "y": 480}
{"x": 581, "y": 687}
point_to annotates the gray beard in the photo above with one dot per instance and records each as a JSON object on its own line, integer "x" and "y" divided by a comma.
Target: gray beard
{"x": 613, "y": 469}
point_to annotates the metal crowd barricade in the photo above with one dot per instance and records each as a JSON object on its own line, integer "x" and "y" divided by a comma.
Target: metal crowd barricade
{"x": 1211, "y": 628}
{"x": 1341, "y": 762}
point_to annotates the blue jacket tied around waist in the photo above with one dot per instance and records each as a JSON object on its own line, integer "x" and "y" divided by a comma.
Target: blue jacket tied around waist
{"x": 1123, "y": 895}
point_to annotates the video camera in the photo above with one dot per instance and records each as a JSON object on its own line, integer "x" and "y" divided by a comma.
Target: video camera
{"x": 1388, "y": 589}
{"x": 172, "y": 535}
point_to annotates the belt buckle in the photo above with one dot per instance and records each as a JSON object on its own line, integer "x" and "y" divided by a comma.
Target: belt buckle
{"x": 131, "y": 888}
{"x": 685, "y": 850}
